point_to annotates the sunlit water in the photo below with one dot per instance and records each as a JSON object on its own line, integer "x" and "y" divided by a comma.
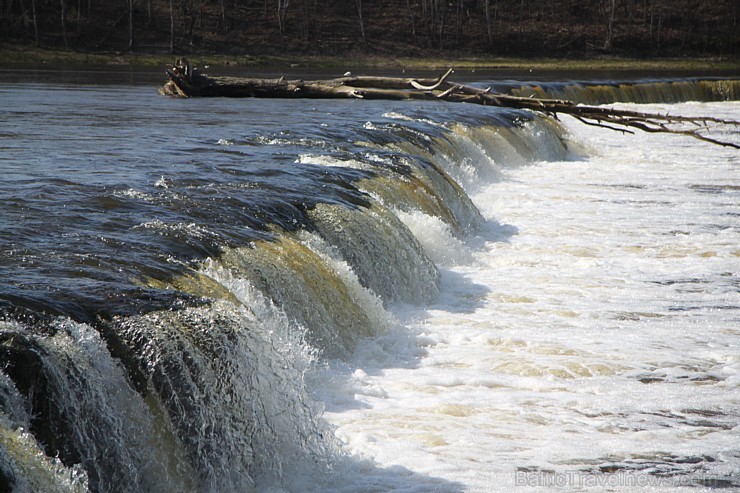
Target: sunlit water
{"x": 581, "y": 335}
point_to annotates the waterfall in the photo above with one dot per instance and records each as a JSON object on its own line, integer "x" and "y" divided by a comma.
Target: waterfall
{"x": 170, "y": 345}
{"x": 643, "y": 92}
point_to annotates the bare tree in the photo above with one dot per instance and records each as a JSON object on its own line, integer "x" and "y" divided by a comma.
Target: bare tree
{"x": 433, "y": 13}
{"x": 64, "y": 25}
{"x": 441, "y": 11}
{"x": 362, "y": 23}
{"x": 172, "y": 28}
{"x": 222, "y": 8}
{"x": 130, "y": 25}
{"x": 35, "y": 24}
{"x": 459, "y": 9}
{"x": 610, "y": 9}
{"x": 412, "y": 16}
{"x": 489, "y": 28}
{"x": 309, "y": 23}
{"x": 282, "y": 12}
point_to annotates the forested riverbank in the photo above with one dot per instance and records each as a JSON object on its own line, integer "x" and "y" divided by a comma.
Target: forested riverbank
{"x": 411, "y": 28}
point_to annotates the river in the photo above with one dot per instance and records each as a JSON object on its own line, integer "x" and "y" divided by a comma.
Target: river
{"x": 221, "y": 295}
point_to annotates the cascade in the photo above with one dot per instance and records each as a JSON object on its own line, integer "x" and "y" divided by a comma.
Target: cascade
{"x": 643, "y": 92}
{"x": 170, "y": 345}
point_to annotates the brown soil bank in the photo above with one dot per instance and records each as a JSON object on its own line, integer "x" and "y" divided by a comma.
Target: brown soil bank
{"x": 414, "y": 28}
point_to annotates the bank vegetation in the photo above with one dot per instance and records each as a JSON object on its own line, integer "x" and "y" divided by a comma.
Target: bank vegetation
{"x": 414, "y": 28}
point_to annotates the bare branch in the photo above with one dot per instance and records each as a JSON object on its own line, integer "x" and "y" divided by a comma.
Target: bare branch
{"x": 187, "y": 82}
{"x": 435, "y": 86}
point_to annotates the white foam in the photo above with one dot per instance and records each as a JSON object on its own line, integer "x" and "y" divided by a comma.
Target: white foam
{"x": 331, "y": 161}
{"x": 595, "y": 329}
{"x": 437, "y": 239}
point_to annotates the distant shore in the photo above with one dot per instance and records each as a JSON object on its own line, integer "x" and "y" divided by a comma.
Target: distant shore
{"x": 10, "y": 54}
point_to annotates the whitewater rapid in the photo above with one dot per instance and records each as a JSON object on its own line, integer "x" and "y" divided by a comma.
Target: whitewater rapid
{"x": 586, "y": 335}
{"x": 363, "y": 296}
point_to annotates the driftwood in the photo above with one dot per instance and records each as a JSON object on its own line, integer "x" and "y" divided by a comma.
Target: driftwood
{"x": 184, "y": 81}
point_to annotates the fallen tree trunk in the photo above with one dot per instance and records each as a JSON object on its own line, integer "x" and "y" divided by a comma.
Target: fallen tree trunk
{"x": 184, "y": 81}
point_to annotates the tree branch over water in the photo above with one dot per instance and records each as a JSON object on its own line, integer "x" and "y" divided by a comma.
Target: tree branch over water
{"x": 184, "y": 81}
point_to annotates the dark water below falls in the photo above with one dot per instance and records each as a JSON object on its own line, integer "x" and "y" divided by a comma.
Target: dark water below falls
{"x": 196, "y": 294}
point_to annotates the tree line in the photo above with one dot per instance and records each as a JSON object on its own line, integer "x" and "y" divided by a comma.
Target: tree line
{"x": 505, "y": 27}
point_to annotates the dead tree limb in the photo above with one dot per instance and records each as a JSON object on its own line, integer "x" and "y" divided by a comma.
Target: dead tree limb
{"x": 187, "y": 82}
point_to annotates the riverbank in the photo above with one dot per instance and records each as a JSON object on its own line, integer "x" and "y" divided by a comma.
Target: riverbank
{"x": 10, "y": 54}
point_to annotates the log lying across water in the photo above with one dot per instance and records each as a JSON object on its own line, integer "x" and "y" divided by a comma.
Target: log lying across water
{"x": 184, "y": 81}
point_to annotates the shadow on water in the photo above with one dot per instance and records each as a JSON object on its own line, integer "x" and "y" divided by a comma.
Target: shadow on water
{"x": 402, "y": 348}
{"x": 397, "y": 479}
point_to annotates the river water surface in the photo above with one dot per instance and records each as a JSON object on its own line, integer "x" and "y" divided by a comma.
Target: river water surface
{"x": 363, "y": 296}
